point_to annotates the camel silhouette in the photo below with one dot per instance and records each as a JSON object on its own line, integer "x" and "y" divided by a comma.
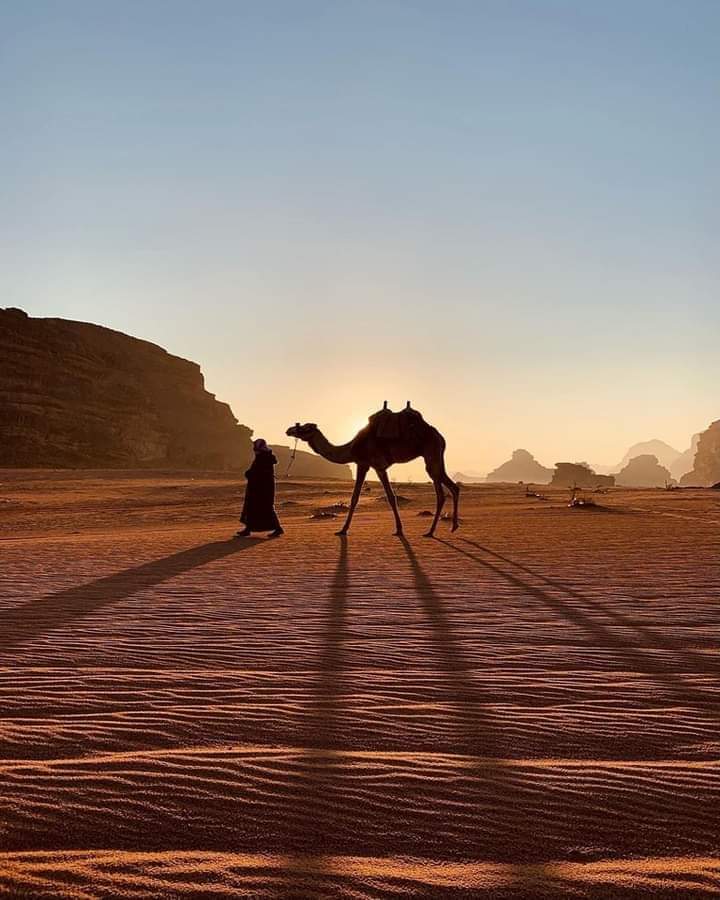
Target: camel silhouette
{"x": 388, "y": 438}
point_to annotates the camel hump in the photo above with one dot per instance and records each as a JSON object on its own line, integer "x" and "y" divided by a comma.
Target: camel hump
{"x": 397, "y": 425}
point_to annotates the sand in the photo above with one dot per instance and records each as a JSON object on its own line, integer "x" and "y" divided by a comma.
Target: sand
{"x": 526, "y": 708}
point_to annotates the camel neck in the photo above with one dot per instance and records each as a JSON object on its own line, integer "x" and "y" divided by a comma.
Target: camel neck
{"x": 338, "y": 454}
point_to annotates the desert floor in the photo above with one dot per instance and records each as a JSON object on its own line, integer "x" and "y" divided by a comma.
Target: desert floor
{"x": 525, "y": 708}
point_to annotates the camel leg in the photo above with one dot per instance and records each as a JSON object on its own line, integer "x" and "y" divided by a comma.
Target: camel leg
{"x": 383, "y": 476}
{"x": 440, "y": 502}
{"x": 359, "y": 480}
{"x": 455, "y": 491}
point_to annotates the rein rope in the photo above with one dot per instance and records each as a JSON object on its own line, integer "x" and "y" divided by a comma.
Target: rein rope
{"x": 292, "y": 458}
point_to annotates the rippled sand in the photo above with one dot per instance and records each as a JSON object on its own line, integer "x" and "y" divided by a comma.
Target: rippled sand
{"x": 526, "y": 708}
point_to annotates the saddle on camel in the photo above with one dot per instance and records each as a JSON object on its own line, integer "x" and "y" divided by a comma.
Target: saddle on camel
{"x": 406, "y": 425}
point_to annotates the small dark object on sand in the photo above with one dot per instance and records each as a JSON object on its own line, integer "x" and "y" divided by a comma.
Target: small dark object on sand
{"x": 425, "y": 513}
{"x": 581, "y": 503}
{"x": 447, "y": 517}
{"x": 577, "y": 502}
{"x": 328, "y": 512}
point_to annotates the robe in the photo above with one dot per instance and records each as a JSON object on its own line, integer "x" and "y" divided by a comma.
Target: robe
{"x": 258, "y": 512}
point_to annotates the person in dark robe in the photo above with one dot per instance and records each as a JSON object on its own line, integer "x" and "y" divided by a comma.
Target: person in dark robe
{"x": 258, "y": 512}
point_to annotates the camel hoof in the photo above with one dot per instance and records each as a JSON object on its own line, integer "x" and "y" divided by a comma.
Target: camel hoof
{"x": 341, "y": 533}
{"x": 455, "y": 526}
{"x": 429, "y": 534}
{"x": 398, "y": 534}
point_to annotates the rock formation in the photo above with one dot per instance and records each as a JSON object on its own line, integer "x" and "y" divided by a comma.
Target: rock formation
{"x": 666, "y": 455}
{"x": 684, "y": 463}
{"x": 308, "y": 465}
{"x": 644, "y": 471}
{"x": 521, "y": 467}
{"x": 706, "y": 468}
{"x": 579, "y": 475}
{"x": 79, "y": 395}
{"x": 468, "y": 477}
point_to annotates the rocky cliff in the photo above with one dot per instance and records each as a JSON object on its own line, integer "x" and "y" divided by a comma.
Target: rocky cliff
{"x": 706, "y": 468}
{"x": 74, "y": 394}
{"x": 684, "y": 463}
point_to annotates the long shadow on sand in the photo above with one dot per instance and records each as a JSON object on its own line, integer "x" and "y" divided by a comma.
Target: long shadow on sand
{"x": 319, "y": 728}
{"x": 636, "y": 654}
{"x": 315, "y": 792}
{"x": 322, "y": 815}
{"x": 653, "y": 639}
{"x": 37, "y": 617}
{"x": 476, "y": 724}
{"x": 497, "y": 799}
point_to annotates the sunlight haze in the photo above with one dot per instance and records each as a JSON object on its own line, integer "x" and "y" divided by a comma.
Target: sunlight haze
{"x": 505, "y": 212}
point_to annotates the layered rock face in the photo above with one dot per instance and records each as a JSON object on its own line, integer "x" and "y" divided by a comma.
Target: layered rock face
{"x": 684, "y": 463}
{"x": 644, "y": 471}
{"x": 308, "y": 465}
{"x": 521, "y": 467}
{"x": 579, "y": 475}
{"x": 706, "y": 468}
{"x": 74, "y": 394}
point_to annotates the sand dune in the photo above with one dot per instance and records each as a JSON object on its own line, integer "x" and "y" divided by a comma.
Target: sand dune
{"x": 526, "y": 708}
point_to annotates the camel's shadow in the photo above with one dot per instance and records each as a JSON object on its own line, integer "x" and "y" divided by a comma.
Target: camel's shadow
{"x": 639, "y": 651}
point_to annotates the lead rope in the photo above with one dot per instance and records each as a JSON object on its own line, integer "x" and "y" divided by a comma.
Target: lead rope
{"x": 292, "y": 458}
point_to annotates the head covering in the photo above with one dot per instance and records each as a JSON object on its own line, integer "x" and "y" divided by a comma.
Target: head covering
{"x": 260, "y": 444}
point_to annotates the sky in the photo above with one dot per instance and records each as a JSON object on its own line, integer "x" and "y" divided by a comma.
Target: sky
{"x": 506, "y": 211}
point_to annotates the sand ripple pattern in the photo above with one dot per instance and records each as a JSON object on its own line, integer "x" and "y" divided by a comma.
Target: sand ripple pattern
{"x": 527, "y": 708}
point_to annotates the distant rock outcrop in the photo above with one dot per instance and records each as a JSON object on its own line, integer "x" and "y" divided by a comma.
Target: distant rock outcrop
{"x": 706, "y": 468}
{"x": 579, "y": 475}
{"x": 666, "y": 455}
{"x": 644, "y": 471}
{"x": 684, "y": 463}
{"x": 522, "y": 466}
{"x": 79, "y": 395}
{"x": 308, "y": 465}
{"x": 468, "y": 478}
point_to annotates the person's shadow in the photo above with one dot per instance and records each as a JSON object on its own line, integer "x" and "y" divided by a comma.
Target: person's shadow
{"x": 37, "y": 617}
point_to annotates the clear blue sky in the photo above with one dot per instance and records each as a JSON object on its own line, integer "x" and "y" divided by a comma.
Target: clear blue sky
{"x": 507, "y": 211}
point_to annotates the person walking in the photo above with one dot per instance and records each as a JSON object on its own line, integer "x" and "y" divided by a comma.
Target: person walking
{"x": 258, "y": 512}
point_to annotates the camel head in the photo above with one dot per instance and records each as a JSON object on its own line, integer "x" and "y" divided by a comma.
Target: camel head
{"x": 302, "y": 432}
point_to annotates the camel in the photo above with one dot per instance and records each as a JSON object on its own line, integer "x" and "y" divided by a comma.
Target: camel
{"x": 388, "y": 438}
